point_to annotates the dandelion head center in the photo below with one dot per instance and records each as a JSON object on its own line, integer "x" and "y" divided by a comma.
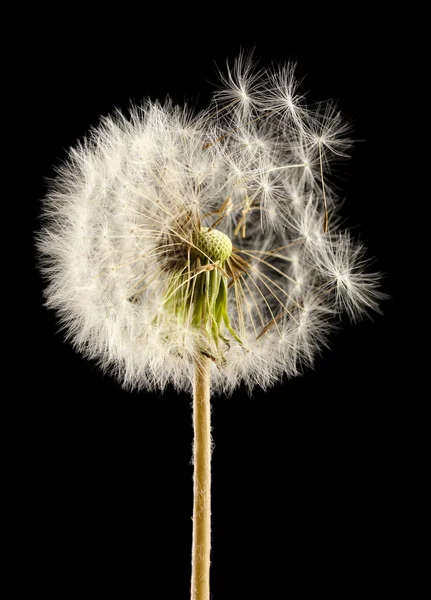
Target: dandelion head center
{"x": 197, "y": 290}
{"x": 213, "y": 244}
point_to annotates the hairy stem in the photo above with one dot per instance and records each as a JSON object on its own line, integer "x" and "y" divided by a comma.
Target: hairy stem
{"x": 200, "y": 587}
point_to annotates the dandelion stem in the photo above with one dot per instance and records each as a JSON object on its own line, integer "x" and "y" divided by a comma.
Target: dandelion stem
{"x": 200, "y": 585}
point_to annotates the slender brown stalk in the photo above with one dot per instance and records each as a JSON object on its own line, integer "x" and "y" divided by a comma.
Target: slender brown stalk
{"x": 200, "y": 587}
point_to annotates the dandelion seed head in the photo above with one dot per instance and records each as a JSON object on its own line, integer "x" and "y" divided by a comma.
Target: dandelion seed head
{"x": 169, "y": 233}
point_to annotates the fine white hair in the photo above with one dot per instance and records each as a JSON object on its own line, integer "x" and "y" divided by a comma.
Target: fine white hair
{"x": 258, "y": 163}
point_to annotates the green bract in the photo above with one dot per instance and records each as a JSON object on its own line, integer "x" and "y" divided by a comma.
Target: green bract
{"x": 198, "y": 293}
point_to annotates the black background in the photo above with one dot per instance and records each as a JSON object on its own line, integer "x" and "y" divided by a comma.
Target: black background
{"x": 308, "y": 477}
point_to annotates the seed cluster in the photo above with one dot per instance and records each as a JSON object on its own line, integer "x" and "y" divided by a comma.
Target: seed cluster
{"x": 136, "y": 238}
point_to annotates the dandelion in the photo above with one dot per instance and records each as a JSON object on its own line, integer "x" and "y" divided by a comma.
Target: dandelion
{"x": 204, "y": 250}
